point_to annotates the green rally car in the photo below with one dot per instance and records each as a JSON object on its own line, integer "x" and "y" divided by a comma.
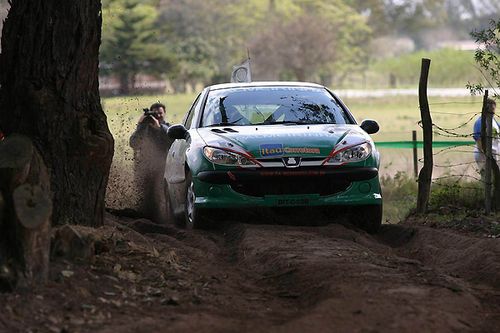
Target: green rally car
{"x": 271, "y": 144}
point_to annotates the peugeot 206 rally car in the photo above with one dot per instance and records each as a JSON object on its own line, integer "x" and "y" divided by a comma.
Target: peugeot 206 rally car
{"x": 272, "y": 144}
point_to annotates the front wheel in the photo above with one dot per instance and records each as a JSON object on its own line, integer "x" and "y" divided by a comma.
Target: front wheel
{"x": 368, "y": 217}
{"x": 195, "y": 218}
{"x": 171, "y": 216}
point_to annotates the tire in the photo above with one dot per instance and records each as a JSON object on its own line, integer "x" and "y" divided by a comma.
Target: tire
{"x": 161, "y": 212}
{"x": 368, "y": 218}
{"x": 177, "y": 220}
{"x": 195, "y": 218}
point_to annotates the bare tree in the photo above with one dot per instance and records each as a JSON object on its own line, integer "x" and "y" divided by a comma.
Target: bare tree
{"x": 300, "y": 47}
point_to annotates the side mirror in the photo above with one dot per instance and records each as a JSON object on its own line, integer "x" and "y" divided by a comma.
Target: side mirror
{"x": 369, "y": 126}
{"x": 177, "y": 132}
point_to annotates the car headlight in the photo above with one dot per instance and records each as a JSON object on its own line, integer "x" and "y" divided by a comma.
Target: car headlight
{"x": 352, "y": 154}
{"x": 224, "y": 157}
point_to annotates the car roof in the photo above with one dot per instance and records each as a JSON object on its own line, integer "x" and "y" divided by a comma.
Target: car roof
{"x": 264, "y": 84}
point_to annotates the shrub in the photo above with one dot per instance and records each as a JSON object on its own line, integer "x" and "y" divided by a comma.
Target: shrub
{"x": 400, "y": 196}
{"x": 457, "y": 193}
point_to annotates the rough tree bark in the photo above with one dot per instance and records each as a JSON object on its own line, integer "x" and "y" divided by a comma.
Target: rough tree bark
{"x": 25, "y": 214}
{"x": 49, "y": 92}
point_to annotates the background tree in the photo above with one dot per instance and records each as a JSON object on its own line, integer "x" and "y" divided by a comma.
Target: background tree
{"x": 131, "y": 42}
{"x": 310, "y": 40}
{"x": 195, "y": 64}
{"x": 216, "y": 29}
{"x": 295, "y": 50}
{"x": 487, "y": 58}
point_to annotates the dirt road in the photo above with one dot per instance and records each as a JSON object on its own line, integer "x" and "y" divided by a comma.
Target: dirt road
{"x": 269, "y": 278}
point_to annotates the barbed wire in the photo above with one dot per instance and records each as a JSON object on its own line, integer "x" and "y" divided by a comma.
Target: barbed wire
{"x": 460, "y": 102}
{"x": 461, "y": 187}
{"x": 454, "y": 113}
{"x": 453, "y": 165}
{"x": 458, "y": 175}
{"x": 447, "y": 149}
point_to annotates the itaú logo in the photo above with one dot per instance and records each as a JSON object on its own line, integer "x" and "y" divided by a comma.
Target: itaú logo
{"x": 291, "y": 162}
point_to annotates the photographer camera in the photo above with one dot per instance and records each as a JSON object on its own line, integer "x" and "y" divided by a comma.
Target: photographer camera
{"x": 152, "y": 123}
{"x": 151, "y": 144}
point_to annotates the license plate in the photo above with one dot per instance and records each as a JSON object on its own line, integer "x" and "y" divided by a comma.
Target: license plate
{"x": 293, "y": 201}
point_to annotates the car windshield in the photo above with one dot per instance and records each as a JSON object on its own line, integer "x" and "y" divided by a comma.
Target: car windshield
{"x": 272, "y": 105}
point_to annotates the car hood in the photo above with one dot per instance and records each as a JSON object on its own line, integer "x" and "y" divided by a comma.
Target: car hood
{"x": 269, "y": 141}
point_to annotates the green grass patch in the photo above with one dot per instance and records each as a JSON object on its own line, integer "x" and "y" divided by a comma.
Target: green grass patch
{"x": 400, "y": 196}
{"x": 449, "y": 194}
{"x": 398, "y": 116}
{"x": 449, "y": 68}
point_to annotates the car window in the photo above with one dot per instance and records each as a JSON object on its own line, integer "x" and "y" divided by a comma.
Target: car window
{"x": 271, "y": 105}
{"x": 189, "y": 116}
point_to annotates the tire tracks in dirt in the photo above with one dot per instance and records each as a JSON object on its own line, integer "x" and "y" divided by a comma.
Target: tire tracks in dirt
{"x": 333, "y": 276}
{"x": 283, "y": 278}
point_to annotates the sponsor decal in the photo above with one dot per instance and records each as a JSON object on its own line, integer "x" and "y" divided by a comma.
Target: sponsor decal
{"x": 271, "y": 150}
{"x": 286, "y": 173}
{"x": 279, "y": 150}
{"x": 301, "y": 150}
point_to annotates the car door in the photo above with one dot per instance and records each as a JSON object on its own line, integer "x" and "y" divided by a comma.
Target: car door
{"x": 176, "y": 159}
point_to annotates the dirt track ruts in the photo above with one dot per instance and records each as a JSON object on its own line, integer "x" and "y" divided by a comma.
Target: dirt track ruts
{"x": 268, "y": 278}
{"x": 334, "y": 278}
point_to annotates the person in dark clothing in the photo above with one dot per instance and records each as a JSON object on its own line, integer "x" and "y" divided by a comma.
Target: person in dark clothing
{"x": 150, "y": 143}
{"x": 151, "y": 124}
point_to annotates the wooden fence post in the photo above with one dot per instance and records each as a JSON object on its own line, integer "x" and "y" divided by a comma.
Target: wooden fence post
{"x": 415, "y": 154}
{"x": 486, "y": 141}
{"x": 425, "y": 176}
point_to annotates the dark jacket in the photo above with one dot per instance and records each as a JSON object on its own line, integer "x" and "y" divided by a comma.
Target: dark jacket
{"x": 156, "y": 135}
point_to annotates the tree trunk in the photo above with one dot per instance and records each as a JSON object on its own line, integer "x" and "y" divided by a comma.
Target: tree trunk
{"x": 25, "y": 214}
{"x": 49, "y": 92}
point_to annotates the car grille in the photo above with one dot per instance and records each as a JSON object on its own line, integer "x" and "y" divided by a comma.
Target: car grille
{"x": 299, "y": 185}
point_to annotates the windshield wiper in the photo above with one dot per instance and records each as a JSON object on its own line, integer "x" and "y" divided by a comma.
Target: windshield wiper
{"x": 223, "y": 124}
{"x": 282, "y": 122}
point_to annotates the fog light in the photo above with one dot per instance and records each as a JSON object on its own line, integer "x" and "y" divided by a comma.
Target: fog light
{"x": 365, "y": 187}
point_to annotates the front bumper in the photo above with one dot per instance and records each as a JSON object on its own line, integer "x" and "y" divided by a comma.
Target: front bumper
{"x": 287, "y": 187}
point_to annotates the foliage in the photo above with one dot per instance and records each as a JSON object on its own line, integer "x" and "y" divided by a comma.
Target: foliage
{"x": 456, "y": 193}
{"x": 400, "y": 196}
{"x": 130, "y": 42}
{"x": 426, "y": 21}
{"x": 448, "y": 68}
{"x": 299, "y": 47}
{"x": 195, "y": 62}
{"x": 324, "y": 41}
{"x": 487, "y": 57}
{"x": 310, "y": 40}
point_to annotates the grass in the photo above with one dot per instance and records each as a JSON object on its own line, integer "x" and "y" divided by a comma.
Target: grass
{"x": 397, "y": 117}
{"x": 400, "y": 196}
{"x": 457, "y": 204}
{"x": 122, "y": 114}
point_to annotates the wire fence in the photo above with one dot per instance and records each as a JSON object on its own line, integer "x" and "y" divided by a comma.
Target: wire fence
{"x": 454, "y": 148}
